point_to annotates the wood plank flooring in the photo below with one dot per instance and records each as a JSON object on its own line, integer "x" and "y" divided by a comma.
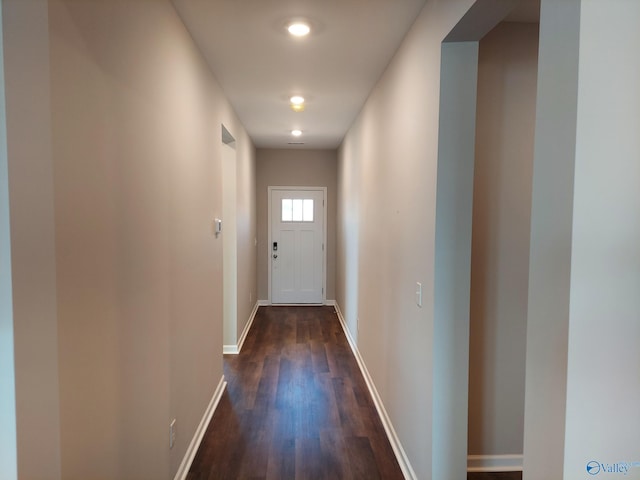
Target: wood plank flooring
{"x": 494, "y": 476}
{"x": 296, "y": 407}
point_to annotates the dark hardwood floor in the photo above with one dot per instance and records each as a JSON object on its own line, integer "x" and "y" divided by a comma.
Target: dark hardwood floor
{"x": 494, "y": 476}
{"x": 296, "y": 407}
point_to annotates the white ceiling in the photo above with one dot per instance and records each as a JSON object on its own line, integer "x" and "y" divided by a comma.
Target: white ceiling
{"x": 259, "y": 66}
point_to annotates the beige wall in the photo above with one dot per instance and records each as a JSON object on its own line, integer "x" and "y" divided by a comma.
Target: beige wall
{"x": 297, "y": 168}
{"x": 507, "y": 74}
{"x": 133, "y": 170}
{"x": 239, "y": 233}
{"x": 388, "y": 165}
{"x": 247, "y": 234}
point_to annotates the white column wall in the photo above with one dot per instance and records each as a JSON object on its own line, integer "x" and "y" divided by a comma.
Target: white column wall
{"x": 32, "y": 218}
{"x": 603, "y": 373}
{"x": 550, "y": 245}
{"x": 454, "y": 206}
{"x": 583, "y": 361}
{"x": 8, "y": 444}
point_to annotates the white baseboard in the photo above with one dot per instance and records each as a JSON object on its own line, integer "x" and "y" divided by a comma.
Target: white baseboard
{"x": 295, "y": 304}
{"x": 230, "y": 350}
{"x": 185, "y": 465}
{"x": 399, "y": 452}
{"x": 494, "y": 463}
{"x": 235, "y": 349}
{"x": 247, "y": 327}
{"x": 266, "y": 303}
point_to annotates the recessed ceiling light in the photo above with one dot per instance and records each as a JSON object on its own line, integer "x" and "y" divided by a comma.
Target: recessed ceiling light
{"x": 299, "y": 29}
{"x": 297, "y": 103}
{"x": 296, "y": 133}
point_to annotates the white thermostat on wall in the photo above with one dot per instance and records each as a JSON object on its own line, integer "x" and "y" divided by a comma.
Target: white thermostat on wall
{"x": 217, "y": 226}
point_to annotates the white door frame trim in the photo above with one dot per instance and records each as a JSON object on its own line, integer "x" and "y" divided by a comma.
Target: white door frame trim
{"x": 270, "y": 189}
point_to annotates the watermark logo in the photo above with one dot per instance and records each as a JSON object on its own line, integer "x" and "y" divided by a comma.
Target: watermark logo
{"x": 595, "y": 467}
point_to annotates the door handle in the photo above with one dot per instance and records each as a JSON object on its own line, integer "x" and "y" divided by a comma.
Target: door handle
{"x": 275, "y": 255}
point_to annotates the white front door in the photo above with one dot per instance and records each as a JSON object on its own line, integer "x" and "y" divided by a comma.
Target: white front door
{"x": 296, "y": 247}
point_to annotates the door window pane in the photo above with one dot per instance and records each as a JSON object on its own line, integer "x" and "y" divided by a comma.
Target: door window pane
{"x": 297, "y": 210}
{"x": 307, "y": 210}
{"x": 287, "y": 210}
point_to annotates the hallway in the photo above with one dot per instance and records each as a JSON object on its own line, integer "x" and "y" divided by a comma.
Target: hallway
{"x": 296, "y": 406}
{"x": 114, "y": 120}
